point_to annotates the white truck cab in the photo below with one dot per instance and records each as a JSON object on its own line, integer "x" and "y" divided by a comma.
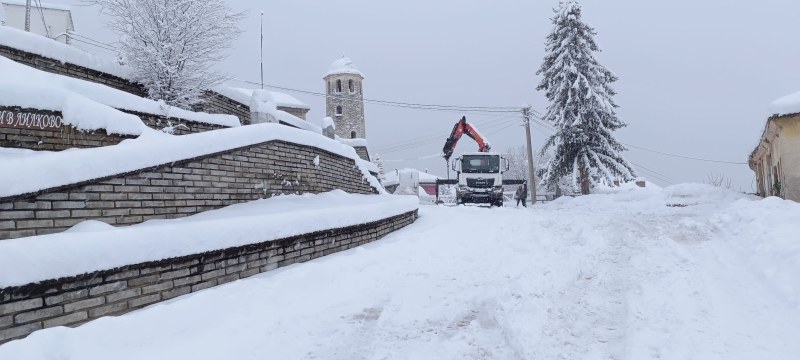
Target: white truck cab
{"x": 480, "y": 178}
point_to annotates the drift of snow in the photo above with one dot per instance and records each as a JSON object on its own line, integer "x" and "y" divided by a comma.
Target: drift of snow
{"x": 30, "y": 172}
{"x": 426, "y": 178}
{"x": 787, "y": 105}
{"x": 87, "y": 105}
{"x": 92, "y": 245}
{"x": 616, "y": 276}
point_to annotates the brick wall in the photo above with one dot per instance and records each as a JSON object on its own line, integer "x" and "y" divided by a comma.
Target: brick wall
{"x": 301, "y": 113}
{"x": 67, "y": 137}
{"x": 182, "y": 127}
{"x": 71, "y": 70}
{"x": 362, "y": 152}
{"x": 76, "y": 300}
{"x": 214, "y": 103}
{"x": 183, "y": 188}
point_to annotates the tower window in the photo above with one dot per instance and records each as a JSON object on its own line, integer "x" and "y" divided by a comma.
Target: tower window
{"x": 338, "y": 85}
{"x": 330, "y": 89}
{"x": 339, "y": 110}
{"x": 350, "y": 85}
{"x": 352, "y": 134}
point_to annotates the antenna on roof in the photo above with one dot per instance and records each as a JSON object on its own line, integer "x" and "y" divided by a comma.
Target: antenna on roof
{"x": 262, "y": 50}
{"x": 28, "y": 15}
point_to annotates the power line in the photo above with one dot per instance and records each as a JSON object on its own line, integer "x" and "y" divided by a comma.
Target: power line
{"x": 433, "y": 107}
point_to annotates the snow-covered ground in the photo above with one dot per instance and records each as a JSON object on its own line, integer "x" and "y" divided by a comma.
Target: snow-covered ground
{"x": 687, "y": 272}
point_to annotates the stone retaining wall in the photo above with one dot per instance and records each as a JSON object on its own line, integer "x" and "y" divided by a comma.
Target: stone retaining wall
{"x": 183, "y": 188}
{"x": 76, "y": 300}
{"x": 214, "y": 103}
{"x": 72, "y": 70}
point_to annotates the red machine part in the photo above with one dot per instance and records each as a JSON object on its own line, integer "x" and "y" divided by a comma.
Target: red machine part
{"x": 462, "y": 128}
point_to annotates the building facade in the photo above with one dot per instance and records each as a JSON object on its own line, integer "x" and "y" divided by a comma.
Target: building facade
{"x": 776, "y": 160}
{"x": 50, "y": 20}
{"x": 344, "y": 100}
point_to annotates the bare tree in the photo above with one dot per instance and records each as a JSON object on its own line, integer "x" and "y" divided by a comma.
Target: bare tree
{"x": 719, "y": 180}
{"x": 517, "y": 163}
{"x": 172, "y": 45}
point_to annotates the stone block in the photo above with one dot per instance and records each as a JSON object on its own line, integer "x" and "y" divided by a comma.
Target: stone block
{"x": 47, "y": 214}
{"x": 108, "y": 310}
{"x": 87, "y": 213}
{"x": 38, "y": 315}
{"x": 6, "y": 321}
{"x": 113, "y": 196}
{"x": 6, "y": 225}
{"x": 190, "y": 280}
{"x": 213, "y": 274}
{"x": 157, "y": 287}
{"x": 17, "y": 306}
{"x": 13, "y": 215}
{"x": 69, "y": 204}
{"x": 65, "y": 297}
{"x": 204, "y": 285}
{"x": 227, "y": 278}
{"x": 34, "y": 224}
{"x": 123, "y": 275}
{"x": 19, "y": 331}
{"x": 107, "y": 288}
{"x": 66, "y": 319}
{"x": 143, "y": 301}
{"x": 169, "y": 294}
{"x": 174, "y": 274}
{"x": 84, "y": 304}
{"x": 122, "y": 295}
{"x": 143, "y": 280}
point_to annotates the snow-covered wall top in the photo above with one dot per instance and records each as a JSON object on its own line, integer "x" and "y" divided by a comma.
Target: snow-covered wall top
{"x": 787, "y": 105}
{"x": 244, "y": 95}
{"x": 87, "y": 105}
{"x": 31, "y": 172}
{"x": 343, "y": 66}
{"x": 40, "y": 45}
{"x": 354, "y": 142}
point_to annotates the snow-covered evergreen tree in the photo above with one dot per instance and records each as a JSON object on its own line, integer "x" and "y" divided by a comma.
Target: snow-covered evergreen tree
{"x": 581, "y": 106}
{"x": 171, "y": 45}
{"x": 381, "y": 168}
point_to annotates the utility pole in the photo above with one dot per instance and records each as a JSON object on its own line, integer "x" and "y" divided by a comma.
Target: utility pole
{"x": 262, "y": 50}
{"x": 526, "y": 114}
{"x": 28, "y": 15}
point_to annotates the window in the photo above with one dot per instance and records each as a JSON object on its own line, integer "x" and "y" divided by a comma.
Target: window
{"x": 338, "y": 85}
{"x": 350, "y": 85}
{"x": 330, "y": 89}
{"x": 339, "y": 110}
{"x": 352, "y": 134}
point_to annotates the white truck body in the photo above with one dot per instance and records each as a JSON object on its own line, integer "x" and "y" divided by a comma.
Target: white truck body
{"x": 480, "y": 178}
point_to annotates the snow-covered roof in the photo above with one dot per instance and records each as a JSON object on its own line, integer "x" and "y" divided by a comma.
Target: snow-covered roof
{"x": 30, "y": 172}
{"x": 35, "y": 4}
{"x": 424, "y": 178}
{"x": 243, "y": 96}
{"x": 343, "y": 66}
{"x": 40, "y": 45}
{"x": 87, "y": 105}
{"x": 787, "y": 105}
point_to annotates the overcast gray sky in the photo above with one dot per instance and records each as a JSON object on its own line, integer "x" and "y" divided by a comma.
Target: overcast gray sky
{"x": 696, "y": 77}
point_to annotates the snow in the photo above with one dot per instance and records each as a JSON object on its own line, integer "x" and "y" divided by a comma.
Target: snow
{"x": 244, "y": 95}
{"x": 787, "y": 105}
{"x": 618, "y": 276}
{"x": 343, "y": 66}
{"x": 354, "y": 142}
{"x": 87, "y": 105}
{"x": 30, "y": 172}
{"x": 93, "y": 245}
{"x": 40, "y": 45}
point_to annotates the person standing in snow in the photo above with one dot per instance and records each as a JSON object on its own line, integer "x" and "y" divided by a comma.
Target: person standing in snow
{"x": 521, "y": 195}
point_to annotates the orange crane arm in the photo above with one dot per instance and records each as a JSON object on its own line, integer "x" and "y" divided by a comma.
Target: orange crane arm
{"x": 461, "y": 128}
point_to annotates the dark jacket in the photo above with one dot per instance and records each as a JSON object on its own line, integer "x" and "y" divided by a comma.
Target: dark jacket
{"x": 521, "y": 193}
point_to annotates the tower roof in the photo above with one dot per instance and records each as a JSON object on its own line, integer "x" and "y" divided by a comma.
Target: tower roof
{"x": 343, "y": 66}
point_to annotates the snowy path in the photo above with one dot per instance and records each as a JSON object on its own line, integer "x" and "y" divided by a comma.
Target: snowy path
{"x": 603, "y": 277}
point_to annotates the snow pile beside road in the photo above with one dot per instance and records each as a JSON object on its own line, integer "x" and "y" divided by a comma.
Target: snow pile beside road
{"x": 24, "y": 173}
{"x": 767, "y": 234}
{"x": 92, "y": 246}
{"x": 87, "y": 105}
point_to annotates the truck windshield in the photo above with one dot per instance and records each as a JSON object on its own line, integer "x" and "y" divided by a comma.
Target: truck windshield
{"x": 480, "y": 164}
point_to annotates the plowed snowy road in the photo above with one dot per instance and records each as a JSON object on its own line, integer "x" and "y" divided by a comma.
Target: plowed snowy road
{"x": 602, "y": 277}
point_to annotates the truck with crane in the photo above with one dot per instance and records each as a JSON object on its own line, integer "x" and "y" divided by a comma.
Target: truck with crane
{"x": 480, "y": 174}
